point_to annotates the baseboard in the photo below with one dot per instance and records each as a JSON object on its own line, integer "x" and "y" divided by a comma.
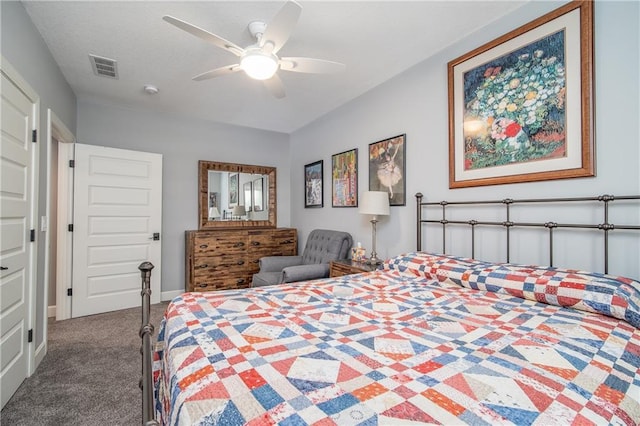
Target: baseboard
{"x": 170, "y": 295}
{"x": 164, "y": 296}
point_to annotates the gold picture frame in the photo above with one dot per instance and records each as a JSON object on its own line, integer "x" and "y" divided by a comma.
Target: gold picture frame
{"x": 521, "y": 106}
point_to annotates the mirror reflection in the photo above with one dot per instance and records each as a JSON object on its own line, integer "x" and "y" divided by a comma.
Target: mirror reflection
{"x": 237, "y": 196}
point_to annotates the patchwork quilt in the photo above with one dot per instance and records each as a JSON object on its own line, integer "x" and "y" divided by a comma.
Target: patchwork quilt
{"x": 401, "y": 345}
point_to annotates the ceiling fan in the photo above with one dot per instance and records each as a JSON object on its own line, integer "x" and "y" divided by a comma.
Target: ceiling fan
{"x": 260, "y": 61}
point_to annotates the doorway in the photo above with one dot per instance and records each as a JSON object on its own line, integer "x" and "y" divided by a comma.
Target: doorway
{"x": 58, "y": 252}
{"x": 109, "y": 203}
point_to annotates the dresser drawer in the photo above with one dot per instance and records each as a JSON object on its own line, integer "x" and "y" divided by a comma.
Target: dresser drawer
{"x": 215, "y": 264}
{"x": 220, "y": 283}
{"x": 263, "y": 241}
{"x": 209, "y": 244}
{"x": 285, "y": 242}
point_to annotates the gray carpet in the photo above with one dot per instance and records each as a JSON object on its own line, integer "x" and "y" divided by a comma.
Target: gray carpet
{"x": 89, "y": 376}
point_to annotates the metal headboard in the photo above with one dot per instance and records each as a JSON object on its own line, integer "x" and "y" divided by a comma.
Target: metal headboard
{"x": 507, "y": 223}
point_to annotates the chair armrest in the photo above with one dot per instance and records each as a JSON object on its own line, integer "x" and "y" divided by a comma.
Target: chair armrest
{"x": 278, "y": 263}
{"x": 305, "y": 272}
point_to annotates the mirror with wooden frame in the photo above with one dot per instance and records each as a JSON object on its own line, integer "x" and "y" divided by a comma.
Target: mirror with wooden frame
{"x": 236, "y": 195}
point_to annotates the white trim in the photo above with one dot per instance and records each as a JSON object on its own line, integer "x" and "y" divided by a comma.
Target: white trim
{"x": 170, "y": 295}
{"x": 51, "y": 311}
{"x": 10, "y": 72}
{"x": 13, "y": 75}
{"x": 36, "y": 352}
{"x": 57, "y": 132}
{"x": 65, "y": 238}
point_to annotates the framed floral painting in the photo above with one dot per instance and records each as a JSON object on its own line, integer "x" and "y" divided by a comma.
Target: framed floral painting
{"x": 344, "y": 179}
{"x": 521, "y": 106}
{"x": 387, "y": 168}
{"x": 313, "y": 185}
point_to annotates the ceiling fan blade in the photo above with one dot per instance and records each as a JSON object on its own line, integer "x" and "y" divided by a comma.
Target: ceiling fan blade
{"x": 311, "y": 65}
{"x": 229, "y": 69}
{"x": 275, "y": 86}
{"x": 205, "y": 35}
{"x": 280, "y": 27}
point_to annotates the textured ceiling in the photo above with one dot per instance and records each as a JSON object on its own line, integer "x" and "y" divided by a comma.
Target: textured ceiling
{"x": 375, "y": 39}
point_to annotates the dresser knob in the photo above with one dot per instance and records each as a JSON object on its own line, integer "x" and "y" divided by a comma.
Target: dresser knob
{"x": 255, "y": 243}
{"x": 240, "y": 281}
{"x": 255, "y": 261}
{"x": 240, "y": 244}
{"x": 204, "y": 246}
{"x": 204, "y": 285}
{"x": 240, "y": 262}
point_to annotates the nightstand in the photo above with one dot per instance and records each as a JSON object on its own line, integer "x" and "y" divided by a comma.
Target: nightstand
{"x": 338, "y": 268}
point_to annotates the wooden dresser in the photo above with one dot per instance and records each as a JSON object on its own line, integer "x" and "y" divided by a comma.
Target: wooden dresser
{"x": 227, "y": 259}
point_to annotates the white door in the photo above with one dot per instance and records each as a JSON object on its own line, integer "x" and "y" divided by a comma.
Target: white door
{"x": 16, "y": 248}
{"x": 117, "y": 210}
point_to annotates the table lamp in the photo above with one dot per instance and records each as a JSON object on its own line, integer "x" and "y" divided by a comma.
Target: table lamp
{"x": 239, "y": 211}
{"x": 375, "y": 203}
{"x": 214, "y": 213}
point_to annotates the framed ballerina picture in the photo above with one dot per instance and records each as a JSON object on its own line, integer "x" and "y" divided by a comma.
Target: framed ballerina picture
{"x": 387, "y": 168}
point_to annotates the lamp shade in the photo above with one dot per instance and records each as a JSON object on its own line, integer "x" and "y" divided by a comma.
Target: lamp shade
{"x": 239, "y": 210}
{"x": 374, "y": 203}
{"x": 214, "y": 213}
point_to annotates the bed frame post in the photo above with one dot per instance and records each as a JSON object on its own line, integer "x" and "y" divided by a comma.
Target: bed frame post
{"x": 508, "y": 224}
{"x": 606, "y": 227}
{"x": 146, "y": 334}
{"x": 444, "y": 222}
{"x": 419, "y": 217}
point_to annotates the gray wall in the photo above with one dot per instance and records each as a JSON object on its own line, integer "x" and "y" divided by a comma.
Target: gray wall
{"x": 27, "y": 52}
{"x": 184, "y": 141}
{"x": 415, "y": 103}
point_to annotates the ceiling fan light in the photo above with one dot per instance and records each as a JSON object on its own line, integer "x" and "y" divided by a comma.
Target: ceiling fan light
{"x": 259, "y": 65}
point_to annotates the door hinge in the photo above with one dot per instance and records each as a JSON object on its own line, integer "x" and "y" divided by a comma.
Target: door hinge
{"x": 69, "y": 292}
{"x": 32, "y": 236}
{"x": 70, "y": 227}
{"x": 34, "y": 136}
{"x": 72, "y": 163}
{"x": 30, "y": 336}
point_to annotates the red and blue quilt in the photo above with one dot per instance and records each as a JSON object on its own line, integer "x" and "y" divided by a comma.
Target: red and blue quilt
{"x": 452, "y": 342}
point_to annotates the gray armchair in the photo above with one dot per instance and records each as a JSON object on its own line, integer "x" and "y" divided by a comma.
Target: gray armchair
{"x": 322, "y": 247}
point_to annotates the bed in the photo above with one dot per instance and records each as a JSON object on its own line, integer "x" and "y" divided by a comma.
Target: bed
{"x": 427, "y": 338}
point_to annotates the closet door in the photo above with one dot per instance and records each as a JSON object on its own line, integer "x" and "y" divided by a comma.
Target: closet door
{"x": 17, "y": 248}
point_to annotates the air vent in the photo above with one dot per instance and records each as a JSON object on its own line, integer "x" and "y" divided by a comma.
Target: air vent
{"x": 104, "y": 67}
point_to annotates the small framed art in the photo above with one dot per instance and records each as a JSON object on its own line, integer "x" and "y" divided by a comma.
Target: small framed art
{"x": 313, "y": 185}
{"x": 344, "y": 179}
{"x": 233, "y": 189}
{"x": 387, "y": 169}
